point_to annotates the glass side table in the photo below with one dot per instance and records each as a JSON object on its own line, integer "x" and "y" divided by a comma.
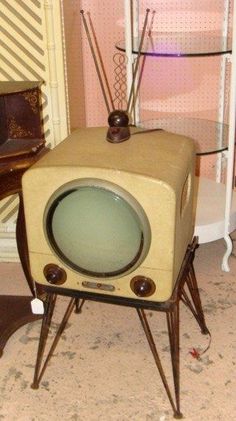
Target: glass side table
{"x": 216, "y": 201}
{"x": 210, "y": 137}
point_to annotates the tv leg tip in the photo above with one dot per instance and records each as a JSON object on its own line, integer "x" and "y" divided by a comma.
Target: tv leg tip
{"x": 205, "y": 331}
{"x": 178, "y": 415}
{"x": 34, "y": 386}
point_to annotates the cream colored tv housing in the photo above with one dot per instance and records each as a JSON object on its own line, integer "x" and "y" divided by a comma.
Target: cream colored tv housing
{"x": 156, "y": 169}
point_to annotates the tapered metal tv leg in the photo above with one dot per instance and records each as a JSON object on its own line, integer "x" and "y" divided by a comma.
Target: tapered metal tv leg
{"x": 146, "y": 328}
{"x": 192, "y": 299}
{"x": 38, "y": 375}
{"x": 78, "y": 305}
{"x": 172, "y": 318}
{"x": 46, "y": 322}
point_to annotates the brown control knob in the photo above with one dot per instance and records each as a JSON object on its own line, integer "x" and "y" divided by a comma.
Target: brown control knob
{"x": 54, "y": 274}
{"x": 142, "y": 286}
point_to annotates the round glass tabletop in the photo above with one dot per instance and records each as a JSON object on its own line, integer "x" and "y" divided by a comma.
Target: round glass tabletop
{"x": 210, "y": 137}
{"x": 181, "y": 44}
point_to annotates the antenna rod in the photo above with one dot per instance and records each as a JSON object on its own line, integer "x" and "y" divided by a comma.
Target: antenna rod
{"x": 101, "y": 60}
{"x": 95, "y": 60}
{"x": 149, "y": 32}
{"x": 137, "y": 61}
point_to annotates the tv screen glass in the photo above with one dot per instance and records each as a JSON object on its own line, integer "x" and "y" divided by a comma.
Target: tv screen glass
{"x": 97, "y": 228}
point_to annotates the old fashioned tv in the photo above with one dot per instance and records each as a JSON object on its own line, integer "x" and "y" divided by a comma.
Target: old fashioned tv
{"x": 113, "y": 219}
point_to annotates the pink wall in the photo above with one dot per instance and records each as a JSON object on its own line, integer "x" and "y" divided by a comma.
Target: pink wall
{"x": 74, "y": 58}
{"x": 87, "y": 105}
{"x": 107, "y": 18}
{"x": 169, "y": 85}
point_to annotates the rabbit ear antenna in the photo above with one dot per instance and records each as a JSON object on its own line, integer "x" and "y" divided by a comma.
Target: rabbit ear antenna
{"x": 118, "y": 120}
{"x": 101, "y": 60}
{"x": 96, "y": 62}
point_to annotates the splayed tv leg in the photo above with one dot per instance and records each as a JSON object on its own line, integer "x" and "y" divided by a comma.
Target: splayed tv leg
{"x": 51, "y": 300}
{"x": 173, "y": 325}
{"x": 191, "y": 298}
{"x": 46, "y": 323}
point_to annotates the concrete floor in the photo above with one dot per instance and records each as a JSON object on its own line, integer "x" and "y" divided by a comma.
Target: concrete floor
{"x": 103, "y": 369}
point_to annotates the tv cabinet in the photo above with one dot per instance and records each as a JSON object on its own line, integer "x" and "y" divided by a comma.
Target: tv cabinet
{"x": 216, "y": 200}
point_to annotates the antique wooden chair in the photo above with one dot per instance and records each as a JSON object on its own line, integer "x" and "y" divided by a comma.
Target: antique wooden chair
{"x": 21, "y": 144}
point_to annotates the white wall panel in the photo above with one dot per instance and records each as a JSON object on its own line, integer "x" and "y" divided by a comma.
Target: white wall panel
{"x": 31, "y": 48}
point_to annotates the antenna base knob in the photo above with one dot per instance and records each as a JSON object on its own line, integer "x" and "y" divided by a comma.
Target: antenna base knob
{"x": 118, "y": 131}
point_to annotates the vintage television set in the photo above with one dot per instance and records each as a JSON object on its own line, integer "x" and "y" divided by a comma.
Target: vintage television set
{"x": 111, "y": 219}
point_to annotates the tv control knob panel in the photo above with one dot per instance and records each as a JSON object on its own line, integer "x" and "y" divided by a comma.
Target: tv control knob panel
{"x": 54, "y": 274}
{"x": 142, "y": 286}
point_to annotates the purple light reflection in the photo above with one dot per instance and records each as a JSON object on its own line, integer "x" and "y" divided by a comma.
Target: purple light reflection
{"x": 165, "y": 47}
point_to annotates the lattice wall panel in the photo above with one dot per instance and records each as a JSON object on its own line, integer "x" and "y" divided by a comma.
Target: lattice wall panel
{"x": 28, "y": 51}
{"x": 21, "y": 58}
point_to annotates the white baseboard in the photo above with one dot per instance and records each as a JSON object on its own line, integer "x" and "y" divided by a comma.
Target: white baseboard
{"x": 8, "y": 248}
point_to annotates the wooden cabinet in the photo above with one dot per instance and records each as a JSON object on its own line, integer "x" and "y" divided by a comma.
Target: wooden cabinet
{"x": 20, "y": 111}
{"x": 21, "y": 145}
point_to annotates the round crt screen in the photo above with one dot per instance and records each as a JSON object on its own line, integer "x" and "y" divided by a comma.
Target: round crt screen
{"x": 96, "y": 229}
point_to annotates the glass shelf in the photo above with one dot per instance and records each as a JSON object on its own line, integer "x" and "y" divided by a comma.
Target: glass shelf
{"x": 182, "y": 44}
{"x": 210, "y": 137}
